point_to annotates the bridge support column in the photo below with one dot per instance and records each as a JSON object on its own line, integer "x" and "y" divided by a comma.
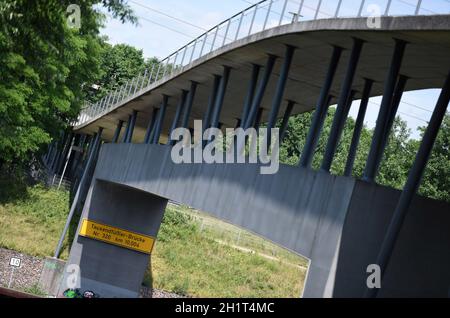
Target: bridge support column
{"x": 151, "y": 126}
{"x": 127, "y": 130}
{"x": 341, "y": 110}
{"x": 161, "y": 116}
{"x": 211, "y": 102}
{"x": 276, "y": 102}
{"x": 321, "y": 111}
{"x": 132, "y": 124}
{"x": 399, "y": 89}
{"x": 83, "y": 182}
{"x": 413, "y": 182}
{"x": 256, "y": 101}
{"x": 220, "y": 97}
{"x": 117, "y": 132}
{"x": 358, "y": 127}
{"x": 285, "y": 122}
{"x": 178, "y": 112}
{"x": 188, "y": 106}
{"x": 250, "y": 93}
{"x": 386, "y": 103}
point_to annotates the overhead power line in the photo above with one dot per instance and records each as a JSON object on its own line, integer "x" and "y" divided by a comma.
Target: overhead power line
{"x": 168, "y": 15}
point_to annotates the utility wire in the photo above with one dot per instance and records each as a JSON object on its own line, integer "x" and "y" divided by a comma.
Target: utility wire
{"x": 168, "y": 15}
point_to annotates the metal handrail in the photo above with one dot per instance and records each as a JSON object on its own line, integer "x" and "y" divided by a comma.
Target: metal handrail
{"x": 167, "y": 66}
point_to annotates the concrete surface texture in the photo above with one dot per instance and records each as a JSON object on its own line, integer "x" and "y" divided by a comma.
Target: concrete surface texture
{"x": 110, "y": 270}
{"x": 337, "y": 222}
{"x": 426, "y": 63}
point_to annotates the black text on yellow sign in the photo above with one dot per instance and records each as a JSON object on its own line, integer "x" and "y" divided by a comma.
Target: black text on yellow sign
{"x": 116, "y": 236}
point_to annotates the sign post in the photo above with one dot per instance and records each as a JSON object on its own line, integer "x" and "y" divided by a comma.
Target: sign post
{"x": 13, "y": 262}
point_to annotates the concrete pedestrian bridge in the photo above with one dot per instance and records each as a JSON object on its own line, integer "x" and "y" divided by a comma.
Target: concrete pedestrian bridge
{"x": 340, "y": 223}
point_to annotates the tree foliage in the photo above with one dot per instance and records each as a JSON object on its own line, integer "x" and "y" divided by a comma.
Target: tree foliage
{"x": 46, "y": 69}
{"x": 119, "y": 64}
{"x": 397, "y": 160}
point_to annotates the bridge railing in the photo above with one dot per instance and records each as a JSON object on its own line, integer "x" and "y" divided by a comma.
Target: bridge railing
{"x": 258, "y": 17}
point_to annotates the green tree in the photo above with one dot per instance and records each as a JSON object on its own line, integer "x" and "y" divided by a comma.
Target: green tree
{"x": 119, "y": 64}
{"x": 398, "y": 156}
{"x": 46, "y": 69}
{"x": 436, "y": 179}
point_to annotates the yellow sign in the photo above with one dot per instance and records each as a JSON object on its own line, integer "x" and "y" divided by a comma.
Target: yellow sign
{"x": 116, "y": 236}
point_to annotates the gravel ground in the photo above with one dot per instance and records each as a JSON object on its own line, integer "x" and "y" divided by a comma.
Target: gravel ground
{"x": 30, "y": 269}
{"x": 24, "y": 276}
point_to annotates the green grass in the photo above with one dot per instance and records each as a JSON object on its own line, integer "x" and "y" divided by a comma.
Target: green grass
{"x": 185, "y": 260}
{"x": 33, "y": 224}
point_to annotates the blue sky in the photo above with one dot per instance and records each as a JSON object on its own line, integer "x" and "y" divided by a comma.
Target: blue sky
{"x": 160, "y": 35}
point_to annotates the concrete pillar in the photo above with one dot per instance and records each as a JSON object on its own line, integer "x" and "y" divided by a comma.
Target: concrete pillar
{"x": 250, "y": 92}
{"x": 107, "y": 269}
{"x": 127, "y": 130}
{"x": 161, "y": 116}
{"x": 377, "y": 140}
{"x": 285, "y": 122}
{"x": 82, "y": 184}
{"x": 215, "y": 117}
{"x": 359, "y": 124}
{"x": 178, "y": 112}
{"x": 250, "y": 119}
{"x": 279, "y": 91}
{"x": 188, "y": 105}
{"x": 413, "y": 182}
{"x": 320, "y": 112}
{"x": 117, "y": 132}
{"x": 151, "y": 126}
{"x": 340, "y": 115}
{"x": 132, "y": 124}
{"x": 399, "y": 89}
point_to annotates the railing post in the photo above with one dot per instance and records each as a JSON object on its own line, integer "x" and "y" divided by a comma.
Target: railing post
{"x": 149, "y": 82}
{"x": 361, "y": 8}
{"x": 419, "y": 4}
{"x": 282, "y": 12}
{"x": 338, "y": 8}
{"x": 214, "y": 39}
{"x": 388, "y": 6}
{"x": 193, "y": 50}
{"x": 239, "y": 26}
{"x": 184, "y": 55}
{"x": 318, "y": 10}
{"x": 268, "y": 13}
{"x": 226, "y": 33}
{"x": 203, "y": 45}
{"x": 299, "y": 12}
{"x": 253, "y": 20}
{"x": 143, "y": 80}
